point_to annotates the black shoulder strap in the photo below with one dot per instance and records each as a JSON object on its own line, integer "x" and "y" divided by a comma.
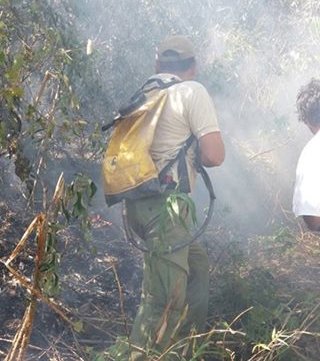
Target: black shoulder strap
{"x": 181, "y": 152}
{"x": 139, "y": 97}
{"x": 158, "y": 84}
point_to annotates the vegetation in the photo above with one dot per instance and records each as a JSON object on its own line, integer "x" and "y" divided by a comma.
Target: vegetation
{"x": 65, "y": 67}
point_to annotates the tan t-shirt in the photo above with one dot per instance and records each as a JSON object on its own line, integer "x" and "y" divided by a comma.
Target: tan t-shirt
{"x": 189, "y": 110}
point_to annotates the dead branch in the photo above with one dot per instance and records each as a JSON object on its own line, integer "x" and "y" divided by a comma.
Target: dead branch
{"x": 45, "y": 80}
{"x": 123, "y": 315}
{"x": 21, "y": 339}
{"x": 40, "y": 222}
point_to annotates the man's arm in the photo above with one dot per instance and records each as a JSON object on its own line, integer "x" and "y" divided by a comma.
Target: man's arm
{"x": 313, "y": 223}
{"x": 211, "y": 149}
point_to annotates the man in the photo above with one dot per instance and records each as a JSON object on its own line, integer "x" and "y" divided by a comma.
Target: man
{"x": 306, "y": 199}
{"x": 175, "y": 286}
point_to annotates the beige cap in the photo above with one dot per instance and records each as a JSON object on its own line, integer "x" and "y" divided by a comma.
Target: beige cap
{"x": 181, "y": 47}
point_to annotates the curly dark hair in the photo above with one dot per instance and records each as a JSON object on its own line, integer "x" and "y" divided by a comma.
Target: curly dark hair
{"x": 308, "y": 103}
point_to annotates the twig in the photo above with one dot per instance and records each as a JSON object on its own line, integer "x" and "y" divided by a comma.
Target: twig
{"x": 123, "y": 315}
{"x": 268, "y": 150}
{"x": 236, "y": 319}
{"x": 10, "y": 341}
{"x": 28, "y": 285}
{"x": 23, "y": 241}
{"x": 93, "y": 342}
{"x": 21, "y": 339}
{"x": 193, "y": 337}
{"x": 45, "y": 80}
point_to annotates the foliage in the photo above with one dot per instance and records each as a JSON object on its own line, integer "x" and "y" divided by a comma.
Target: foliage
{"x": 40, "y": 111}
{"x": 66, "y": 65}
{"x": 74, "y": 204}
{"x": 54, "y": 90}
{"x": 272, "y": 317}
{"x": 179, "y": 208}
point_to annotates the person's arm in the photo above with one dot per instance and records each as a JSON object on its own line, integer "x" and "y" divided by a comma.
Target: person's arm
{"x": 202, "y": 117}
{"x": 212, "y": 151}
{"x": 313, "y": 223}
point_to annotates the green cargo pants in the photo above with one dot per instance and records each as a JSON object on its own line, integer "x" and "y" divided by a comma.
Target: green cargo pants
{"x": 175, "y": 285}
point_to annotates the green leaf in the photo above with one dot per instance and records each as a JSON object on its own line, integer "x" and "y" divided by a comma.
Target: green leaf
{"x": 30, "y": 111}
{"x": 2, "y": 57}
{"x": 49, "y": 283}
{"x": 172, "y": 209}
{"x": 260, "y": 346}
{"x": 78, "y": 326}
{"x": 49, "y": 263}
{"x": 65, "y": 211}
{"x": 78, "y": 207}
{"x": 99, "y": 358}
{"x": 93, "y": 189}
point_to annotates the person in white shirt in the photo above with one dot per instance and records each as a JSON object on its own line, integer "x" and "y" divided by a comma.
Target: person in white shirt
{"x": 306, "y": 198}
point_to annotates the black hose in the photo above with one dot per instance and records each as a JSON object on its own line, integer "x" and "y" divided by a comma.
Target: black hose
{"x": 131, "y": 237}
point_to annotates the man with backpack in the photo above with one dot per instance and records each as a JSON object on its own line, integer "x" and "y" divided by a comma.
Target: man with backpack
{"x": 176, "y": 279}
{"x": 306, "y": 198}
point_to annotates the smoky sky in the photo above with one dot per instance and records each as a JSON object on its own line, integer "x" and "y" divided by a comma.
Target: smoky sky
{"x": 253, "y": 56}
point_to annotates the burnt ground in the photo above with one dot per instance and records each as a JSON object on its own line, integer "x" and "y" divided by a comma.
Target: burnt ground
{"x": 100, "y": 283}
{"x": 90, "y": 273}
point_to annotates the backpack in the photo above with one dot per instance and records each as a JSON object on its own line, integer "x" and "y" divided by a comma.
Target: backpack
{"x": 128, "y": 171}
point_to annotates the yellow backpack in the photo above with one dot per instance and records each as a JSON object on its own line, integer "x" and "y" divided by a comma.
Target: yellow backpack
{"x": 128, "y": 170}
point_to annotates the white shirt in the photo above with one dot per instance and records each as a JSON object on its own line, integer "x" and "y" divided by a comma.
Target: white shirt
{"x": 306, "y": 198}
{"x": 189, "y": 110}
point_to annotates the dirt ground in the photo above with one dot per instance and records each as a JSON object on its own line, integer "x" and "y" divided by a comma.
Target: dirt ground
{"x": 92, "y": 274}
{"x": 100, "y": 282}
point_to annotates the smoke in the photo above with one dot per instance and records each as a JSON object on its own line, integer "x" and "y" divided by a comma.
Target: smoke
{"x": 263, "y": 63}
{"x": 253, "y": 58}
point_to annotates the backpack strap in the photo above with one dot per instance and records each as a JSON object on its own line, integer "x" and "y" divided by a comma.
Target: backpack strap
{"x": 158, "y": 84}
{"x": 139, "y": 98}
{"x": 184, "y": 185}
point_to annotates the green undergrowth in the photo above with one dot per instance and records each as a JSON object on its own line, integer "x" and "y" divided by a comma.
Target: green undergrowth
{"x": 264, "y": 306}
{"x": 266, "y": 293}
